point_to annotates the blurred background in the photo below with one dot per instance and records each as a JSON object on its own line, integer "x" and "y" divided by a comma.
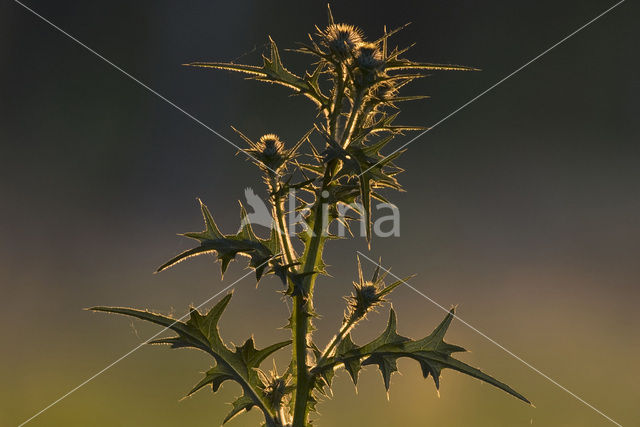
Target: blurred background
{"x": 523, "y": 209}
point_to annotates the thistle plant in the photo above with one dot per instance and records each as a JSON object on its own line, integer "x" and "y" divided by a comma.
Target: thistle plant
{"x": 355, "y": 85}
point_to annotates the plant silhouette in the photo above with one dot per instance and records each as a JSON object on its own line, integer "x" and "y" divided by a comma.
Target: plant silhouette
{"x": 355, "y": 85}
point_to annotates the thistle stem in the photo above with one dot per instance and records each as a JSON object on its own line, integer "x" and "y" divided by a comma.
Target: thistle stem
{"x": 337, "y": 100}
{"x": 302, "y": 312}
{"x": 283, "y": 230}
{"x": 303, "y": 307}
{"x": 353, "y": 118}
{"x": 337, "y": 339}
{"x": 303, "y": 300}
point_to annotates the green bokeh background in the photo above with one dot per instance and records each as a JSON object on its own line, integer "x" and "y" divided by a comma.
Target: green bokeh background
{"x": 523, "y": 209}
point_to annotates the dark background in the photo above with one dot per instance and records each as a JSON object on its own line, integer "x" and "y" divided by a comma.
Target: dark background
{"x": 523, "y": 208}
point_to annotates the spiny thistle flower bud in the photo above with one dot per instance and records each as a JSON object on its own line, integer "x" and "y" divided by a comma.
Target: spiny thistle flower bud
{"x": 342, "y": 40}
{"x": 368, "y": 294}
{"x": 269, "y": 151}
{"x": 365, "y": 297}
{"x": 369, "y": 57}
{"x": 276, "y": 390}
{"x": 270, "y": 145}
{"x": 275, "y": 386}
{"x": 369, "y": 65}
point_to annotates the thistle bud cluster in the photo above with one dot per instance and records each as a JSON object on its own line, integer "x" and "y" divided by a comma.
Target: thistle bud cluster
{"x": 345, "y": 44}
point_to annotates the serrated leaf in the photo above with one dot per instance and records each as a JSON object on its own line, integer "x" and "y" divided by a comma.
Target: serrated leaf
{"x": 245, "y": 242}
{"x": 387, "y": 366}
{"x": 272, "y": 71}
{"x": 365, "y": 197}
{"x": 201, "y": 332}
{"x": 214, "y": 377}
{"x": 372, "y": 170}
{"x": 432, "y": 353}
{"x": 352, "y": 365}
{"x": 389, "y": 337}
{"x": 242, "y": 403}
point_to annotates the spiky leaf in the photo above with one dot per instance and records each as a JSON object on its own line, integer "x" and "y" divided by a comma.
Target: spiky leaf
{"x": 201, "y": 332}
{"x": 242, "y": 403}
{"x": 245, "y": 242}
{"x": 272, "y": 71}
{"x": 432, "y": 353}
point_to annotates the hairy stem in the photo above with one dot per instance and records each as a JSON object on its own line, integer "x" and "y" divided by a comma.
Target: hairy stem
{"x": 303, "y": 303}
{"x": 353, "y": 118}
{"x": 299, "y": 321}
{"x": 302, "y": 312}
{"x": 279, "y": 215}
{"x": 337, "y": 339}
{"x": 337, "y": 99}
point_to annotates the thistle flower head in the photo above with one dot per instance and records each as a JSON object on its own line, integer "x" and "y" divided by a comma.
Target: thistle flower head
{"x": 368, "y": 294}
{"x": 341, "y": 40}
{"x": 369, "y": 65}
{"x": 269, "y": 152}
{"x": 369, "y": 57}
{"x": 365, "y": 297}
{"x": 270, "y": 146}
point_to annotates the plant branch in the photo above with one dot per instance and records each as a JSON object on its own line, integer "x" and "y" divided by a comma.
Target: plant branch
{"x": 353, "y": 118}
{"x": 303, "y": 303}
{"x": 346, "y": 327}
{"x": 302, "y": 312}
{"x": 337, "y": 100}
{"x": 281, "y": 223}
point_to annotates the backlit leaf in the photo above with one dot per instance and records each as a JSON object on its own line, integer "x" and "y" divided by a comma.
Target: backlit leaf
{"x": 238, "y": 364}
{"x": 432, "y": 353}
{"x": 245, "y": 242}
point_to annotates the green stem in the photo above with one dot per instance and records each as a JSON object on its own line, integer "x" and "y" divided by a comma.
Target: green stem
{"x": 337, "y": 99}
{"x": 299, "y": 360}
{"x": 367, "y": 109}
{"x": 302, "y": 312}
{"x": 299, "y": 333}
{"x": 353, "y": 118}
{"x": 283, "y": 230}
{"x": 344, "y": 330}
{"x": 303, "y": 303}
{"x": 303, "y": 307}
